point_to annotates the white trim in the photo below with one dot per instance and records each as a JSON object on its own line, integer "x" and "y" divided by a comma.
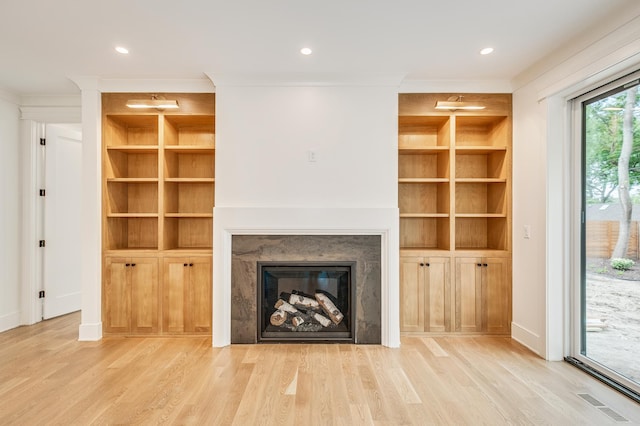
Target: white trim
{"x": 9, "y": 321}
{"x": 557, "y": 233}
{"x": 31, "y": 262}
{"x": 525, "y": 337}
{"x": 90, "y": 332}
{"x": 201, "y": 85}
{"x": 231, "y": 221}
{"x": 456, "y": 86}
{"x": 52, "y": 114}
{"x": 91, "y": 226}
{"x": 306, "y": 79}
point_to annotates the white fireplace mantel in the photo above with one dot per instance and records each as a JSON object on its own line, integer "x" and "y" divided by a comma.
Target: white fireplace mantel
{"x": 229, "y": 221}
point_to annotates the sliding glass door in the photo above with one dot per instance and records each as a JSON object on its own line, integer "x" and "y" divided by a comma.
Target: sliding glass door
{"x": 608, "y": 335}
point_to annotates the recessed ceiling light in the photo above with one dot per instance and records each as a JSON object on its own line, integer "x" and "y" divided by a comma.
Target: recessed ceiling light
{"x": 122, "y": 50}
{"x": 306, "y": 51}
{"x": 486, "y": 50}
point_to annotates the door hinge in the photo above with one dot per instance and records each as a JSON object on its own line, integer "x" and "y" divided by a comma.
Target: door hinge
{"x": 41, "y": 294}
{"x": 43, "y": 141}
{"x": 42, "y": 192}
{"x": 41, "y": 243}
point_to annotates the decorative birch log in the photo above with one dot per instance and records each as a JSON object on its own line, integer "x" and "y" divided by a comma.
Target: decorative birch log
{"x": 329, "y": 308}
{"x": 303, "y": 301}
{"x": 282, "y": 305}
{"x": 326, "y": 322}
{"x": 278, "y": 318}
{"x": 297, "y": 320}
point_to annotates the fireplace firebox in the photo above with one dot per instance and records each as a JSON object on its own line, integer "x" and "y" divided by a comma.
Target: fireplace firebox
{"x": 306, "y": 301}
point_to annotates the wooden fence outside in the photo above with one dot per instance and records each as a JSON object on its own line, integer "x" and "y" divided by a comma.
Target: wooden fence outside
{"x": 603, "y": 235}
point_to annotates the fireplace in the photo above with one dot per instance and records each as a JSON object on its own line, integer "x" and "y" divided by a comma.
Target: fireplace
{"x": 306, "y": 301}
{"x": 361, "y": 252}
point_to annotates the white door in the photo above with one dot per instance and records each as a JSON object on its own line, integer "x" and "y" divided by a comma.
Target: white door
{"x": 63, "y": 175}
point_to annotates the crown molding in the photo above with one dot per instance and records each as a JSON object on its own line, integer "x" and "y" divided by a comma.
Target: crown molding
{"x": 306, "y": 79}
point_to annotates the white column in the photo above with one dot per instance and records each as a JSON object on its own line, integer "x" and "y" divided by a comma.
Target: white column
{"x": 91, "y": 322}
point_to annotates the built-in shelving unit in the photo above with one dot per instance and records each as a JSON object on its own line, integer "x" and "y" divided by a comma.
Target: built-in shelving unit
{"x": 454, "y": 196}
{"x": 158, "y": 198}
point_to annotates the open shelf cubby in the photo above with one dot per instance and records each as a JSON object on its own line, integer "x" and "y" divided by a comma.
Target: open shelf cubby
{"x": 424, "y": 233}
{"x": 481, "y": 164}
{"x": 481, "y": 233}
{"x": 189, "y": 130}
{"x": 133, "y": 198}
{"x": 188, "y": 198}
{"x": 124, "y": 164}
{"x": 126, "y": 233}
{"x": 188, "y": 233}
{"x": 131, "y": 130}
{"x": 181, "y": 164}
{"x": 423, "y": 198}
{"x": 481, "y": 198}
{"x": 424, "y": 164}
{"x": 417, "y": 132}
{"x": 483, "y": 130}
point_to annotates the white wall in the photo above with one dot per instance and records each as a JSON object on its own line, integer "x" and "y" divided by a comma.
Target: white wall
{"x": 542, "y": 168}
{"x": 10, "y": 213}
{"x": 264, "y": 135}
{"x": 266, "y": 184}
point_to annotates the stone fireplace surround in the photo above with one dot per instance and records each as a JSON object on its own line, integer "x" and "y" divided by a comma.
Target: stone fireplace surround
{"x": 260, "y": 221}
{"x": 248, "y": 250}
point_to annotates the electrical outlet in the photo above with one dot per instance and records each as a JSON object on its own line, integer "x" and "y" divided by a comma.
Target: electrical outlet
{"x": 527, "y": 232}
{"x": 313, "y": 156}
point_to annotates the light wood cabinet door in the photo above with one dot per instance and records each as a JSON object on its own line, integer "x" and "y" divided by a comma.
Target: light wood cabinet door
{"x": 143, "y": 274}
{"x": 437, "y": 294}
{"x": 425, "y": 294}
{"x": 483, "y": 295}
{"x": 468, "y": 294}
{"x": 116, "y": 296}
{"x": 187, "y": 295}
{"x": 497, "y": 295}
{"x": 412, "y": 294}
{"x": 130, "y": 295}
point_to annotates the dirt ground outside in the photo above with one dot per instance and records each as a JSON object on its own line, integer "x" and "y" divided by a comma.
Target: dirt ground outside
{"x": 613, "y": 308}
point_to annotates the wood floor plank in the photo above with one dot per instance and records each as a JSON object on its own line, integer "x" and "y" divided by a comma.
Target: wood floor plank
{"x": 48, "y": 377}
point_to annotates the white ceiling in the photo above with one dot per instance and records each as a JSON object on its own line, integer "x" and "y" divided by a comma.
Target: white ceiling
{"x": 44, "y": 42}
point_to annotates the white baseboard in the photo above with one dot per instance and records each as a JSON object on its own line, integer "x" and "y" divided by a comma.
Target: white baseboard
{"x": 9, "y": 321}
{"x": 90, "y": 332}
{"x": 527, "y": 338}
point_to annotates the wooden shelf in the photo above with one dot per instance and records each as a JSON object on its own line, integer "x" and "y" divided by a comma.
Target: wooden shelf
{"x": 414, "y": 215}
{"x": 189, "y": 215}
{"x": 134, "y": 149}
{"x": 190, "y": 180}
{"x": 132, "y": 180}
{"x": 479, "y": 150}
{"x": 132, "y": 215}
{"x": 423, "y": 180}
{"x": 195, "y": 149}
{"x": 480, "y": 180}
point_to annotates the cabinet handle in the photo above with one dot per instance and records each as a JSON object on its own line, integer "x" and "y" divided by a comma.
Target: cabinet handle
{"x": 127, "y": 264}
{"x": 191, "y": 264}
{"x": 427, "y": 264}
{"x": 133, "y": 264}
{"x": 479, "y": 264}
{"x": 484, "y": 264}
{"x": 185, "y": 264}
{"x": 422, "y": 264}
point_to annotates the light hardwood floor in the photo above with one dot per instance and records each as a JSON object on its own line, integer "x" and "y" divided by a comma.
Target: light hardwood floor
{"x": 47, "y": 377}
